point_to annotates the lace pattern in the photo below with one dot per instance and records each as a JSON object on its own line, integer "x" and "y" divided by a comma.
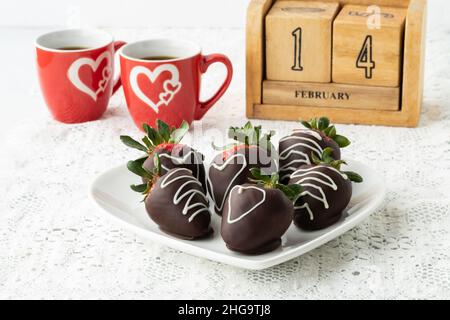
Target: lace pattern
{"x": 54, "y": 245}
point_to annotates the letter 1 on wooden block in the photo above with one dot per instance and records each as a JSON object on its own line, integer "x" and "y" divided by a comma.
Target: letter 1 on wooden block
{"x": 298, "y": 40}
{"x": 368, "y": 45}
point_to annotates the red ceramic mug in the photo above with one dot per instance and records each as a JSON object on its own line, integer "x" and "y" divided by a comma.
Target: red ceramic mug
{"x": 76, "y": 69}
{"x": 162, "y": 79}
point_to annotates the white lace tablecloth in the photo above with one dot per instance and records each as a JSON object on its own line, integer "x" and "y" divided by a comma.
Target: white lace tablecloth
{"x": 53, "y": 243}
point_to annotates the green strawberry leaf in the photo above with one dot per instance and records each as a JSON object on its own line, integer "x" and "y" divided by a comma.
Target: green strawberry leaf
{"x": 315, "y": 159}
{"x": 266, "y": 144}
{"x": 353, "y": 176}
{"x": 153, "y": 135}
{"x": 130, "y": 142}
{"x": 327, "y": 159}
{"x": 330, "y": 132}
{"x": 248, "y": 126}
{"x": 147, "y": 143}
{"x": 272, "y": 182}
{"x": 291, "y": 191}
{"x": 274, "y": 179}
{"x": 157, "y": 162}
{"x": 164, "y": 130}
{"x": 141, "y": 188}
{"x": 341, "y": 141}
{"x": 141, "y": 161}
{"x": 260, "y": 178}
{"x": 337, "y": 164}
{"x": 147, "y": 128}
{"x": 306, "y": 124}
{"x": 248, "y": 134}
{"x": 178, "y": 134}
{"x": 323, "y": 123}
{"x": 326, "y": 155}
{"x": 136, "y": 168}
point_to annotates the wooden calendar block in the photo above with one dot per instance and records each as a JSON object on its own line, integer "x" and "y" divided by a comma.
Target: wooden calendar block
{"x": 328, "y": 95}
{"x": 368, "y": 45}
{"x": 298, "y": 40}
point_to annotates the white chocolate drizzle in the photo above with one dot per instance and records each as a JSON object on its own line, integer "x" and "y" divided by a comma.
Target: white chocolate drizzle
{"x": 183, "y": 159}
{"x": 306, "y": 206}
{"x": 240, "y": 189}
{"x": 312, "y": 133}
{"x": 304, "y": 158}
{"x": 309, "y": 179}
{"x": 221, "y": 168}
{"x": 190, "y": 192}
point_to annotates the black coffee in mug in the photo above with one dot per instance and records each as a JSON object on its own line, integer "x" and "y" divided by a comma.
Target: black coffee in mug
{"x": 158, "y": 58}
{"x": 73, "y": 48}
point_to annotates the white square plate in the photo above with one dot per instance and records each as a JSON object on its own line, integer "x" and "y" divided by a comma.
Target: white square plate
{"x": 112, "y": 193}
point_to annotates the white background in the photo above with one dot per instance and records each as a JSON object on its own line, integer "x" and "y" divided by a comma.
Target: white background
{"x": 141, "y": 13}
{"x": 119, "y": 13}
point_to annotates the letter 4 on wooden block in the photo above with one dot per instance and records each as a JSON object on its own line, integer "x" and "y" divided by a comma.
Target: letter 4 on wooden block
{"x": 368, "y": 45}
{"x": 298, "y": 41}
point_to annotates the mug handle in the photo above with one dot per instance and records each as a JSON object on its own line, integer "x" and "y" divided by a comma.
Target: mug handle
{"x": 117, "y": 82}
{"x": 207, "y": 61}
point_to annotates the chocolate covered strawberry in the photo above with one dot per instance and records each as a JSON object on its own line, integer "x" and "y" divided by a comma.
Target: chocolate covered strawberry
{"x": 296, "y": 149}
{"x": 165, "y": 142}
{"x": 327, "y": 191}
{"x": 231, "y": 167}
{"x": 176, "y": 201}
{"x": 257, "y": 214}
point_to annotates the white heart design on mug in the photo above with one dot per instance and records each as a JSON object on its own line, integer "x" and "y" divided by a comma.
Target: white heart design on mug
{"x": 74, "y": 77}
{"x": 164, "y": 97}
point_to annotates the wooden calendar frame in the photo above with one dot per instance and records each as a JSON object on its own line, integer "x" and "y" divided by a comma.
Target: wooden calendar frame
{"x": 407, "y": 115}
